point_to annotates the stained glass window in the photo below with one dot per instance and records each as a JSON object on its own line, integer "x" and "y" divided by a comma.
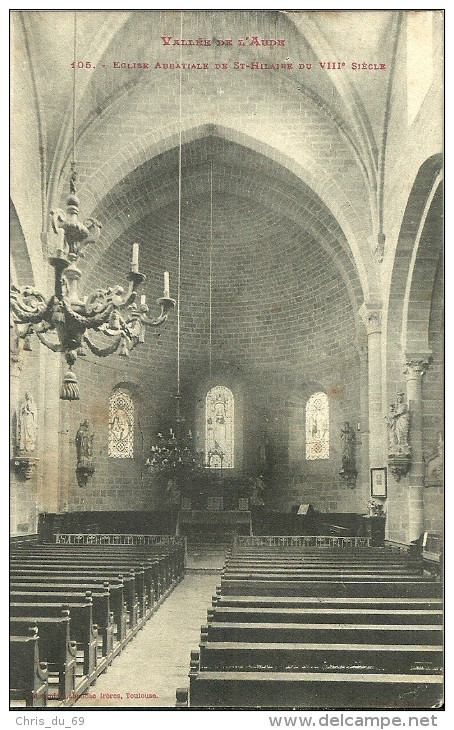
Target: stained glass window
{"x": 219, "y": 428}
{"x": 121, "y": 425}
{"x": 317, "y": 427}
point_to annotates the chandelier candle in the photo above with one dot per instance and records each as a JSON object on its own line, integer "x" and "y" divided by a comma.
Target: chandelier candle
{"x": 166, "y": 284}
{"x": 135, "y": 258}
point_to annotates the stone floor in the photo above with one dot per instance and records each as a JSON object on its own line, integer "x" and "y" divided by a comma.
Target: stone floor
{"x": 156, "y": 661}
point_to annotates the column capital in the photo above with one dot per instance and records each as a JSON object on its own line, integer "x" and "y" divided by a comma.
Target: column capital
{"x": 415, "y": 365}
{"x": 370, "y": 313}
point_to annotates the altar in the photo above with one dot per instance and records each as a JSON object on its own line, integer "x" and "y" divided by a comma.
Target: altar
{"x": 222, "y": 521}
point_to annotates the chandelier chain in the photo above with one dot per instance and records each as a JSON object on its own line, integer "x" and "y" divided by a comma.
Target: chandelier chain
{"x": 179, "y": 219}
{"x": 74, "y": 87}
{"x": 211, "y": 268}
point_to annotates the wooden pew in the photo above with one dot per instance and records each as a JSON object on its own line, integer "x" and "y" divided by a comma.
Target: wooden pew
{"x": 325, "y": 588}
{"x": 55, "y": 647}
{"x": 318, "y": 575}
{"x": 28, "y": 675}
{"x": 169, "y": 565}
{"x": 315, "y": 690}
{"x": 326, "y": 628}
{"x": 82, "y": 629}
{"x": 364, "y": 603}
{"x": 320, "y": 633}
{"x": 120, "y": 586}
{"x": 107, "y": 600}
{"x": 322, "y": 614}
{"x": 146, "y": 577}
{"x": 310, "y": 656}
{"x": 84, "y": 633}
{"x": 140, "y": 571}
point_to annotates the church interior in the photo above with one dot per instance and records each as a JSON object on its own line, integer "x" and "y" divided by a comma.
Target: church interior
{"x": 226, "y": 359}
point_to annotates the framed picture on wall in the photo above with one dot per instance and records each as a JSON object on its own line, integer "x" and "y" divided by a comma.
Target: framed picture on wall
{"x": 378, "y": 482}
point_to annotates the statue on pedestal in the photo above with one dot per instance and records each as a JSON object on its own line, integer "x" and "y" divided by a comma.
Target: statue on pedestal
{"x": 24, "y": 460}
{"x": 399, "y": 451}
{"x": 27, "y": 426}
{"x": 258, "y": 489}
{"x": 84, "y": 448}
{"x": 348, "y": 471}
{"x": 398, "y": 426}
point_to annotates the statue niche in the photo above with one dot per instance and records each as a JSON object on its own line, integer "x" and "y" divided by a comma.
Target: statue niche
{"x": 84, "y": 448}
{"x": 399, "y": 450}
{"x": 24, "y": 460}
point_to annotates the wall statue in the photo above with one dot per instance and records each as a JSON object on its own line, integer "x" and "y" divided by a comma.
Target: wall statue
{"x": 27, "y": 425}
{"x": 398, "y": 427}
{"x": 265, "y": 456}
{"x": 348, "y": 446}
{"x": 84, "y": 448}
{"x": 257, "y": 491}
{"x": 348, "y": 471}
{"x": 24, "y": 460}
{"x": 399, "y": 451}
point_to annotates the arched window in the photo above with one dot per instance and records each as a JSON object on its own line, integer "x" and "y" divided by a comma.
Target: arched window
{"x": 317, "y": 427}
{"x": 121, "y": 425}
{"x": 219, "y": 424}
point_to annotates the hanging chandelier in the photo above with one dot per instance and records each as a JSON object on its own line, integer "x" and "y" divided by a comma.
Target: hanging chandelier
{"x": 173, "y": 456}
{"x": 115, "y": 313}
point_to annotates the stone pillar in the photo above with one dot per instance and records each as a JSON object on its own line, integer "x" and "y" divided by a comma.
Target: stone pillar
{"x": 371, "y": 316}
{"x": 49, "y": 397}
{"x": 414, "y": 369}
{"x": 15, "y": 370}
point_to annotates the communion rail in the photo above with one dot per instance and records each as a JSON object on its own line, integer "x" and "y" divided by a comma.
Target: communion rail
{"x": 302, "y": 541}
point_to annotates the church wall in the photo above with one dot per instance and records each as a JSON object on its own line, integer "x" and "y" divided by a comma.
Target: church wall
{"x": 118, "y": 483}
{"x": 282, "y": 327}
{"x": 433, "y": 413}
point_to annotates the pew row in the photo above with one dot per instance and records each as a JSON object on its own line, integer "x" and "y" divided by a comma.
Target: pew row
{"x": 320, "y": 628}
{"x": 87, "y": 602}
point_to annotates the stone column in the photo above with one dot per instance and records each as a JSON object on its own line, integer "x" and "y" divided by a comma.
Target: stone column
{"x": 49, "y": 397}
{"x": 371, "y": 316}
{"x": 15, "y": 370}
{"x": 414, "y": 369}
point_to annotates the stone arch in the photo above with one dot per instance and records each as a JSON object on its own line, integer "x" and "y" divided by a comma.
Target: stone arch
{"x": 349, "y": 259}
{"x": 21, "y": 267}
{"x": 356, "y": 227}
{"x": 417, "y": 255}
{"x": 423, "y": 269}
